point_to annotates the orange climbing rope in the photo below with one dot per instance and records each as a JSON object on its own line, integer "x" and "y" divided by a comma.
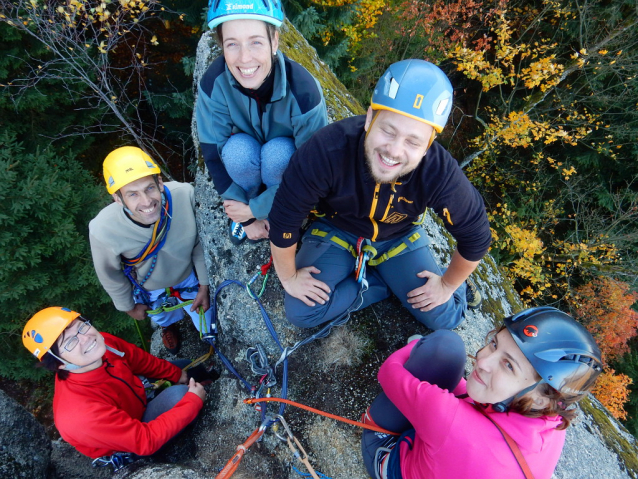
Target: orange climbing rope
{"x": 232, "y": 465}
{"x": 321, "y": 413}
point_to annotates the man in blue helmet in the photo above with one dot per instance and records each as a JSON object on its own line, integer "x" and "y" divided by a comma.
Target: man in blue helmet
{"x": 371, "y": 177}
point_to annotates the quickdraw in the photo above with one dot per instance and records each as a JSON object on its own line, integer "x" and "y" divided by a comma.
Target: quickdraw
{"x": 262, "y": 272}
{"x": 295, "y": 446}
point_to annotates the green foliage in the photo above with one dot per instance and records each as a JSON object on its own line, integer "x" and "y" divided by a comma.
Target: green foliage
{"x": 47, "y": 201}
{"x": 628, "y": 365}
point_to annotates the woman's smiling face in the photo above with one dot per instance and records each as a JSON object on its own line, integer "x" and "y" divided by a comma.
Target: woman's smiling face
{"x": 501, "y": 370}
{"x": 248, "y": 51}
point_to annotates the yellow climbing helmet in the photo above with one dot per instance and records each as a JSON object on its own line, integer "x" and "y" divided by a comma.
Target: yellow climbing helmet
{"x": 44, "y": 329}
{"x": 125, "y": 165}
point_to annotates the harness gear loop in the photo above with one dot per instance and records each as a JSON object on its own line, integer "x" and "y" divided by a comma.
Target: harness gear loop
{"x": 373, "y": 260}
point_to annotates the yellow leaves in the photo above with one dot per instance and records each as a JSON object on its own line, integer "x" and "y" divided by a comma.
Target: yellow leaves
{"x": 567, "y": 173}
{"x": 612, "y": 391}
{"x": 603, "y": 52}
{"x": 154, "y": 40}
{"x": 102, "y": 47}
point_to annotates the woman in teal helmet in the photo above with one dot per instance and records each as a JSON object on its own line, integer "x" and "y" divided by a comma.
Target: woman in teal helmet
{"x": 254, "y": 108}
{"x": 507, "y": 420}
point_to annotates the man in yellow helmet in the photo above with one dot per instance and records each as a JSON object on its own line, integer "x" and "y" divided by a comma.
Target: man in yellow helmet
{"x": 145, "y": 245}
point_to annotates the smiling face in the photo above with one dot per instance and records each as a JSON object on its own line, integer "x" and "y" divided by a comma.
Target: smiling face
{"x": 143, "y": 199}
{"x": 248, "y": 52}
{"x": 501, "y": 371}
{"x": 88, "y": 351}
{"x": 395, "y": 144}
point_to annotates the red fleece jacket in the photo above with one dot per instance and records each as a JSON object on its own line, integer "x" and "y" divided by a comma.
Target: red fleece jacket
{"x": 99, "y": 412}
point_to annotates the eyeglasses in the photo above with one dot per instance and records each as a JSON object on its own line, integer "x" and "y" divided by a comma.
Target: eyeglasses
{"x": 73, "y": 341}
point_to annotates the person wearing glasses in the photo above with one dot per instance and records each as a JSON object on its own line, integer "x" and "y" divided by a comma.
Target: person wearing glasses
{"x": 100, "y": 404}
{"x": 507, "y": 420}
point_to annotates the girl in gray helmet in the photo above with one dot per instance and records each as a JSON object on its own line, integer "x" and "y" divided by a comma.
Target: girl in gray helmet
{"x": 506, "y": 420}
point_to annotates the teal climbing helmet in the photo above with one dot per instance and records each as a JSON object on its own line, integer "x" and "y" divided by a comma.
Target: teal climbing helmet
{"x": 557, "y": 346}
{"x": 416, "y": 89}
{"x": 269, "y": 11}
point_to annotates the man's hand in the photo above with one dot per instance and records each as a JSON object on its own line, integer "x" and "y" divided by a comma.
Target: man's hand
{"x": 260, "y": 229}
{"x": 238, "y": 211}
{"x": 202, "y": 299}
{"x": 138, "y": 312}
{"x": 196, "y": 388}
{"x": 183, "y": 378}
{"x": 303, "y": 286}
{"x": 432, "y": 294}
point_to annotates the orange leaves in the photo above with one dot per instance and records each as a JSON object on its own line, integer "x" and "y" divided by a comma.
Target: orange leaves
{"x": 604, "y": 307}
{"x": 612, "y": 390}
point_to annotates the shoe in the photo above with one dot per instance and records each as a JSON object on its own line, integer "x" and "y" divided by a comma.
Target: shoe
{"x": 237, "y": 233}
{"x": 414, "y": 337}
{"x": 472, "y": 295}
{"x": 203, "y": 375}
{"x": 170, "y": 338}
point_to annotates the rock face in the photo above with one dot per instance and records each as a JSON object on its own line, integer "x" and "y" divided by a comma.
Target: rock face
{"x": 25, "y": 449}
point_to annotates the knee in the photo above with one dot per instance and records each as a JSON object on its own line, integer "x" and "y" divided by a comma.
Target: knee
{"x": 241, "y": 148}
{"x": 440, "y": 318}
{"x": 302, "y": 315}
{"x": 443, "y": 344}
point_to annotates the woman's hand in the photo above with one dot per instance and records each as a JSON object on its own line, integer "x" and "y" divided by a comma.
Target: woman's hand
{"x": 237, "y": 211}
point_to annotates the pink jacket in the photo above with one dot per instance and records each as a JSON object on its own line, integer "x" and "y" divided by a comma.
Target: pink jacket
{"x": 455, "y": 441}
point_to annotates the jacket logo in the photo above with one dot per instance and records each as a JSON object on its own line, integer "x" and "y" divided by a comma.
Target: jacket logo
{"x": 394, "y": 218}
{"x": 530, "y": 330}
{"x": 402, "y": 198}
{"x": 417, "y": 101}
{"x": 287, "y": 235}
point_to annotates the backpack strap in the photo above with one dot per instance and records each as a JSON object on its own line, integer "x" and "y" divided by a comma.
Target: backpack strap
{"x": 511, "y": 443}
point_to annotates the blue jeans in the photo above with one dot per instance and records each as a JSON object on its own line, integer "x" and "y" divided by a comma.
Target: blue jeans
{"x": 438, "y": 358}
{"x": 251, "y": 164}
{"x": 397, "y": 275}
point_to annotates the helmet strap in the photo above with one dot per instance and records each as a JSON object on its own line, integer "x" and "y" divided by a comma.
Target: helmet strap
{"x": 503, "y": 406}
{"x": 67, "y": 365}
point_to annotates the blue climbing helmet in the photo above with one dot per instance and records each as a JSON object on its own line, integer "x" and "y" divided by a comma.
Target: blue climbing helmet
{"x": 416, "y": 89}
{"x": 269, "y": 11}
{"x": 558, "y": 347}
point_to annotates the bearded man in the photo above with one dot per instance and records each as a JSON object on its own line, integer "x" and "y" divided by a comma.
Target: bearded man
{"x": 370, "y": 178}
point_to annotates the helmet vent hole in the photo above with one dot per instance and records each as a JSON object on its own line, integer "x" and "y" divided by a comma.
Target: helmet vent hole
{"x": 394, "y": 88}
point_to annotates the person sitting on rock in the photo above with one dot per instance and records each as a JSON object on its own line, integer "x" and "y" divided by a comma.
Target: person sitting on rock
{"x": 100, "y": 404}
{"x": 371, "y": 177}
{"x": 507, "y": 420}
{"x": 146, "y": 248}
{"x": 254, "y": 108}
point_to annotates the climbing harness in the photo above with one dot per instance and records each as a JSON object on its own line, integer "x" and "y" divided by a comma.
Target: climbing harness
{"x": 232, "y": 465}
{"x": 321, "y": 413}
{"x": 117, "y": 460}
{"x": 370, "y": 250}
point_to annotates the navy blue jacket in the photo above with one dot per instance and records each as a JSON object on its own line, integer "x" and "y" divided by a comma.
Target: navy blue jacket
{"x": 329, "y": 171}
